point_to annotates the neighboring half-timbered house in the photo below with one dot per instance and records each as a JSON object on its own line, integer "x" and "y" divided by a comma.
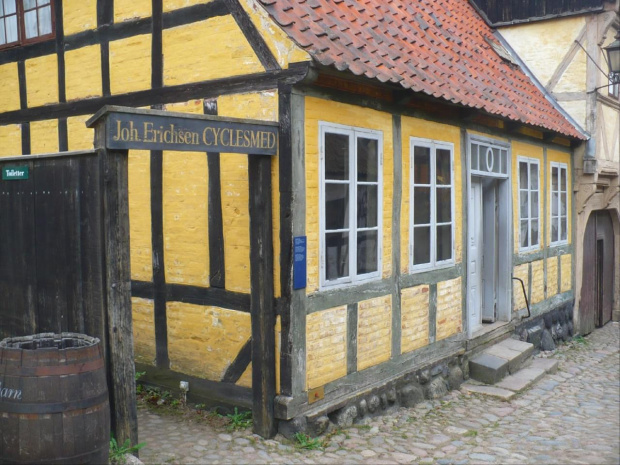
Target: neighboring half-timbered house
{"x": 419, "y": 171}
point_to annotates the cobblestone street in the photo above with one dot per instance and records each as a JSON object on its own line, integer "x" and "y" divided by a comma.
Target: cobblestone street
{"x": 572, "y": 416}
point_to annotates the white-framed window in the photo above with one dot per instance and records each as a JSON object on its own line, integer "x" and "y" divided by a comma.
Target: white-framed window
{"x": 351, "y": 199}
{"x": 559, "y": 203}
{"x": 614, "y": 85}
{"x": 432, "y": 204}
{"x": 529, "y": 203}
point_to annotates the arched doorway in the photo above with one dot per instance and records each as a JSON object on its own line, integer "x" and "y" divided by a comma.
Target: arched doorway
{"x": 596, "y": 303}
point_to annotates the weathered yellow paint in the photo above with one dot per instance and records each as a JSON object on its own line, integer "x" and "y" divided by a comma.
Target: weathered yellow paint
{"x": 351, "y": 115}
{"x": 449, "y": 313}
{"x": 543, "y": 44}
{"x": 552, "y": 276}
{"x": 520, "y": 149}
{"x": 170, "y": 5}
{"x": 577, "y": 109}
{"x": 560, "y": 157}
{"x": 204, "y": 341}
{"x": 83, "y": 72}
{"x": 141, "y": 250}
{"x": 143, "y": 318}
{"x": 281, "y": 46}
{"x": 521, "y": 271}
{"x": 374, "y": 331}
{"x": 79, "y": 15}
{"x": 246, "y": 378}
{"x": 261, "y": 106}
{"x": 79, "y": 136}
{"x": 414, "y": 318}
{"x": 415, "y": 127}
{"x": 326, "y": 346}
{"x": 566, "y": 272}
{"x": 194, "y": 107}
{"x": 130, "y": 64}
{"x": 190, "y": 52}
{"x": 185, "y": 215}
{"x": 10, "y": 140}
{"x": 9, "y": 90}
{"x": 44, "y": 136}
{"x": 538, "y": 282}
{"x": 42, "y": 80}
{"x": 609, "y": 134}
{"x": 131, "y": 10}
{"x": 573, "y": 78}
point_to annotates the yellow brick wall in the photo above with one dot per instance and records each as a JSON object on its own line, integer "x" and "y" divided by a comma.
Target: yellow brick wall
{"x": 42, "y": 80}
{"x": 374, "y": 331}
{"x": 204, "y": 341}
{"x": 170, "y": 5}
{"x": 130, "y": 64}
{"x": 191, "y": 50}
{"x": 566, "y": 264}
{"x": 415, "y": 127}
{"x": 552, "y": 276}
{"x": 83, "y": 72}
{"x": 10, "y": 140}
{"x": 143, "y": 330}
{"x": 9, "y": 90}
{"x": 246, "y": 378}
{"x": 538, "y": 282}
{"x": 326, "y": 346}
{"x": 140, "y": 215}
{"x": 414, "y": 318}
{"x": 79, "y": 15}
{"x": 334, "y": 112}
{"x": 449, "y": 314}
{"x": 79, "y": 136}
{"x": 44, "y": 136}
{"x": 131, "y": 10}
{"x": 521, "y": 271}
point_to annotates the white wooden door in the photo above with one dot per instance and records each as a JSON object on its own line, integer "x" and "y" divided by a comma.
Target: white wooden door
{"x": 474, "y": 265}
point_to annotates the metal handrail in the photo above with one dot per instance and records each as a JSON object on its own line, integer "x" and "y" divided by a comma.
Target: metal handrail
{"x": 527, "y": 303}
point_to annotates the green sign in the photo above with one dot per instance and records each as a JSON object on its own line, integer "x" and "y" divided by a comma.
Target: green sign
{"x": 10, "y": 173}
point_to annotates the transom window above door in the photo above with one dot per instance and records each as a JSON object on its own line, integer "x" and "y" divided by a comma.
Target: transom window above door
{"x": 351, "y": 191}
{"x": 487, "y": 158}
{"x": 25, "y": 21}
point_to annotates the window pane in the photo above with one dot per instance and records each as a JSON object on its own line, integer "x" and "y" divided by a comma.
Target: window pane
{"x": 534, "y": 232}
{"x": 337, "y": 255}
{"x": 444, "y": 242}
{"x": 421, "y": 205}
{"x": 534, "y": 177}
{"x": 367, "y": 206}
{"x": 554, "y": 229}
{"x": 534, "y": 205}
{"x": 523, "y": 175}
{"x": 444, "y": 204}
{"x": 524, "y": 234}
{"x": 367, "y": 159}
{"x": 421, "y": 245}
{"x": 523, "y": 204}
{"x": 9, "y": 7}
{"x": 336, "y": 206}
{"x": 1, "y": 8}
{"x": 554, "y": 179}
{"x": 563, "y": 204}
{"x": 422, "y": 165}
{"x": 554, "y": 203}
{"x": 2, "y": 36}
{"x": 45, "y": 20}
{"x": 562, "y": 179}
{"x": 367, "y": 247}
{"x": 564, "y": 228}
{"x": 42, "y": 2}
{"x": 11, "y": 29}
{"x": 443, "y": 171}
{"x": 474, "y": 157}
{"x": 30, "y": 23}
{"x": 336, "y": 156}
{"x": 29, "y": 4}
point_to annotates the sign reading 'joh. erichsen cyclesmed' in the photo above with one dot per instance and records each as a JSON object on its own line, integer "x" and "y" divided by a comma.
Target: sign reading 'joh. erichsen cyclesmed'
{"x": 155, "y": 132}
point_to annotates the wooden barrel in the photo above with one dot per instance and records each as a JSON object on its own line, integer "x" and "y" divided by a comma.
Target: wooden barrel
{"x": 53, "y": 400}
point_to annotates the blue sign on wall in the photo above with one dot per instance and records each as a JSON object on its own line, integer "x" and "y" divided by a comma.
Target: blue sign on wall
{"x": 299, "y": 262}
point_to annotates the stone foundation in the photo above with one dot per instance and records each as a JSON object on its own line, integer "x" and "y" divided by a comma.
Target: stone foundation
{"x": 547, "y": 330}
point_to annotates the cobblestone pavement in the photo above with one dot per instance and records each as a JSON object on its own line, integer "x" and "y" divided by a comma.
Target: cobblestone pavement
{"x": 572, "y": 416}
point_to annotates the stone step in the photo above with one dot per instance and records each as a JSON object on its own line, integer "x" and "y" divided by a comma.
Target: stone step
{"x": 496, "y": 362}
{"x": 514, "y": 383}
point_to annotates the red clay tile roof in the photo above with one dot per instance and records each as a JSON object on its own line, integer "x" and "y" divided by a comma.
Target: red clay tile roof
{"x": 433, "y": 46}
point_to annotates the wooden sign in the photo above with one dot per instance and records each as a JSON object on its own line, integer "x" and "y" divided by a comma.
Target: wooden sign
{"x": 156, "y": 130}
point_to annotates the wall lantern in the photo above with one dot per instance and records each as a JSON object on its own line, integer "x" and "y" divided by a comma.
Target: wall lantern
{"x": 613, "y": 59}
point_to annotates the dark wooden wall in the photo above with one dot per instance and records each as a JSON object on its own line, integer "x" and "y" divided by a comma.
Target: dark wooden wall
{"x": 51, "y": 244}
{"x": 505, "y": 11}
